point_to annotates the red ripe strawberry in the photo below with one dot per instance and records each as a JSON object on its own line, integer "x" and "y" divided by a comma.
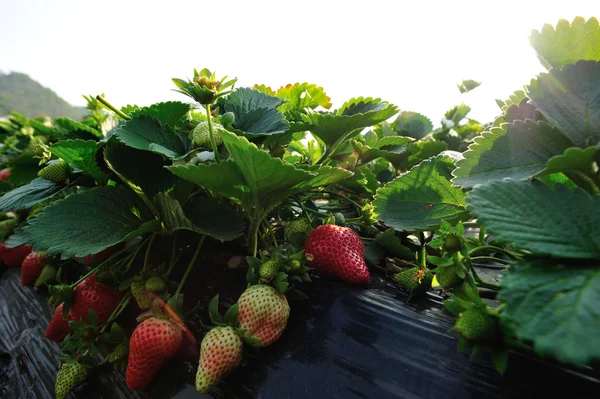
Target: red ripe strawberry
{"x": 31, "y": 268}
{"x": 263, "y": 313}
{"x": 90, "y": 294}
{"x": 13, "y": 257}
{"x": 4, "y": 174}
{"x": 220, "y": 352}
{"x": 337, "y": 251}
{"x": 153, "y": 342}
{"x": 58, "y": 328}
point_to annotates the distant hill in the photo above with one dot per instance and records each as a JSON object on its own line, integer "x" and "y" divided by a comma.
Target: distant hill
{"x": 20, "y": 93}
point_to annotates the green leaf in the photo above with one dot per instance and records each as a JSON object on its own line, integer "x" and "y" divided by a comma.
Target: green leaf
{"x": 168, "y": 113}
{"x": 89, "y": 222}
{"x": 70, "y": 126}
{"x": 556, "y": 308}
{"x": 267, "y": 178}
{"x": 253, "y": 178}
{"x": 224, "y": 178}
{"x": 355, "y": 114}
{"x": 45, "y": 130}
{"x": 568, "y": 43}
{"x": 557, "y": 178}
{"x": 412, "y": 124}
{"x": 148, "y": 134}
{"x": 255, "y": 112}
{"x": 419, "y": 151}
{"x": 92, "y": 317}
{"x": 573, "y": 159}
{"x": 517, "y": 150}
{"x": 213, "y": 311}
{"x": 324, "y": 176}
{"x": 457, "y": 113}
{"x": 301, "y": 96}
{"x": 513, "y": 99}
{"x": 143, "y": 168}
{"x": 467, "y": 85}
{"x": 80, "y": 154}
{"x": 30, "y": 194}
{"x": 391, "y": 141}
{"x": 217, "y": 219}
{"x": 558, "y": 222}
{"x": 231, "y": 316}
{"x": 280, "y": 282}
{"x": 570, "y": 99}
{"x": 421, "y": 198}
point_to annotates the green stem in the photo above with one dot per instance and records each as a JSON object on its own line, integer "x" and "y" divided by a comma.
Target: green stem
{"x": 134, "y": 255}
{"x": 492, "y": 259}
{"x": 585, "y": 181}
{"x": 495, "y": 248}
{"x": 270, "y": 230}
{"x": 253, "y": 234}
{"x": 147, "y": 256}
{"x": 213, "y": 140}
{"x": 423, "y": 257}
{"x": 112, "y": 107}
{"x": 115, "y": 255}
{"x": 190, "y": 265}
{"x": 118, "y": 310}
{"x": 304, "y": 210}
{"x": 356, "y": 204}
{"x": 174, "y": 258}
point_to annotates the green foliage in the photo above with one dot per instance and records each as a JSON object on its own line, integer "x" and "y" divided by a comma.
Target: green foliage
{"x": 333, "y": 128}
{"x": 423, "y": 197}
{"x": 79, "y": 154}
{"x": 169, "y": 112}
{"x": 538, "y": 218}
{"x": 567, "y": 43}
{"x": 142, "y": 168}
{"x": 149, "y": 134}
{"x": 89, "y": 222}
{"x": 570, "y": 99}
{"x": 255, "y": 112}
{"x": 555, "y": 307}
{"x": 516, "y": 150}
{"x": 467, "y": 85}
{"x": 26, "y": 196}
{"x": 412, "y": 124}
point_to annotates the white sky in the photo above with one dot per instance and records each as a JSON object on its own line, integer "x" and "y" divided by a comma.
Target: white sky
{"x": 410, "y": 53}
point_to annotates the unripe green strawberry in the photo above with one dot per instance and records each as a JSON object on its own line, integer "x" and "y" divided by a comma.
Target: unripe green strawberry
{"x": 452, "y": 242}
{"x": 143, "y": 299}
{"x": 201, "y": 135}
{"x": 476, "y": 325}
{"x": 156, "y": 284}
{"x": 294, "y": 264}
{"x": 56, "y": 172}
{"x": 415, "y": 280}
{"x": 47, "y": 276}
{"x": 296, "y": 226}
{"x": 263, "y": 313}
{"x": 69, "y": 376}
{"x": 268, "y": 270}
{"x": 220, "y": 352}
{"x": 448, "y": 278}
{"x": 227, "y": 119}
{"x": 6, "y": 226}
{"x": 120, "y": 352}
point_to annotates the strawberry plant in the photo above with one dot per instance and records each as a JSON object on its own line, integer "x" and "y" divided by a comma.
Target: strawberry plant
{"x": 118, "y": 210}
